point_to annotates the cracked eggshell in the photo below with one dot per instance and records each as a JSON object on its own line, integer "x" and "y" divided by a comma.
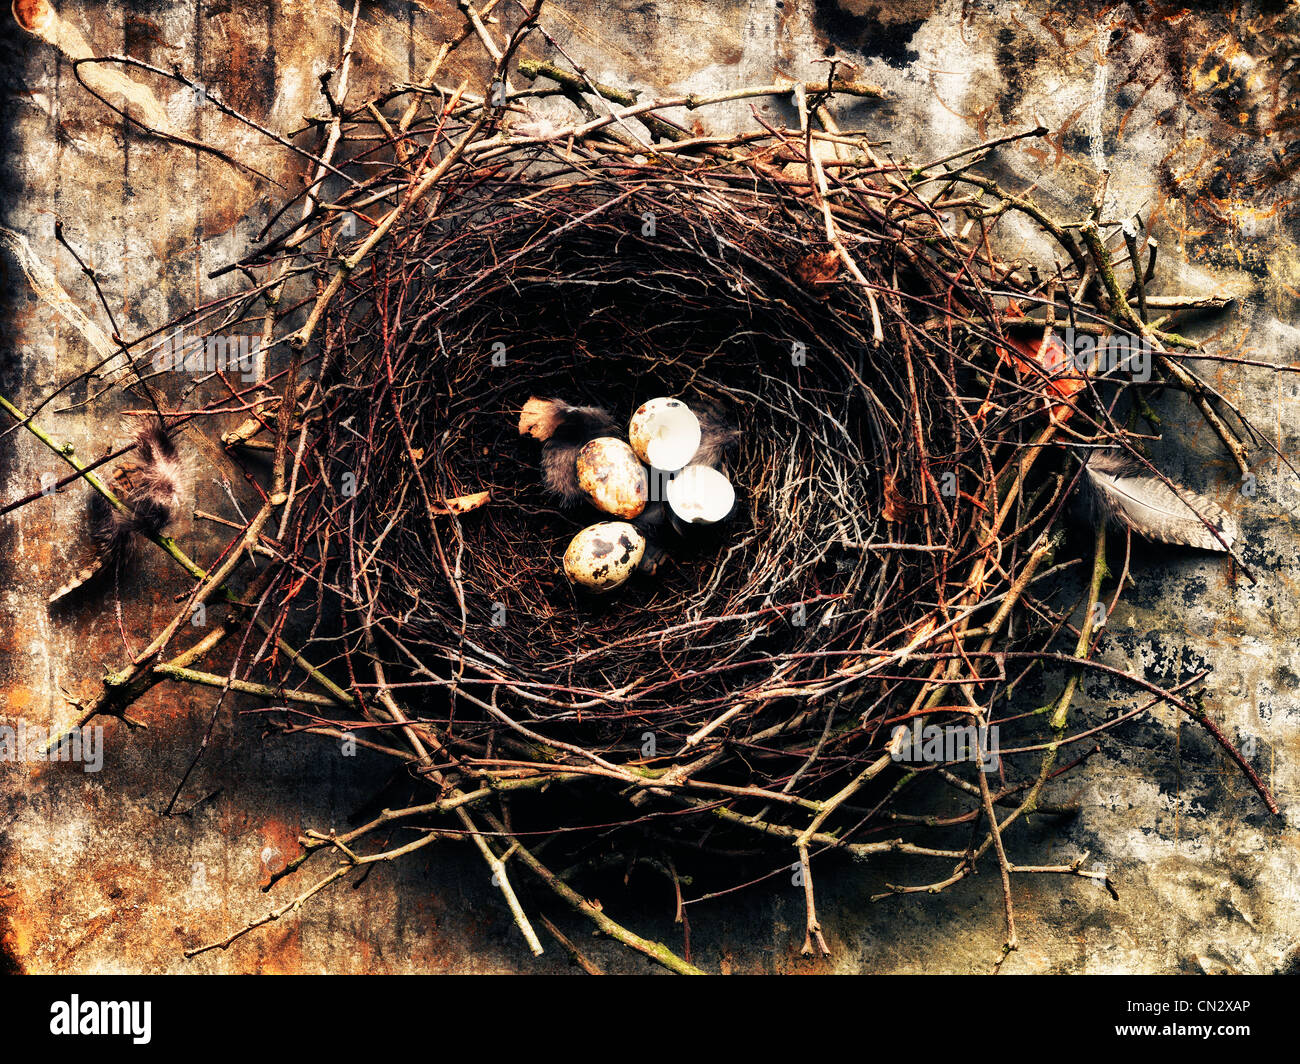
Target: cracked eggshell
{"x": 602, "y": 556}
{"x": 608, "y": 471}
{"x": 665, "y": 433}
{"x": 701, "y": 495}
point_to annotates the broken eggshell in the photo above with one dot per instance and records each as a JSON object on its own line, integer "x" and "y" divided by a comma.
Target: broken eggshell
{"x": 602, "y": 556}
{"x": 700, "y": 495}
{"x": 608, "y": 471}
{"x": 665, "y": 433}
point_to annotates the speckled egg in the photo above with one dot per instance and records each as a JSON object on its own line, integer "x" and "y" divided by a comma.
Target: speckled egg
{"x": 608, "y": 471}
{"x": 602, "y": 556}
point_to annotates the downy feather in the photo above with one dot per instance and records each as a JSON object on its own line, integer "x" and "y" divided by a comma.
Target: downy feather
{"x": 149, "y": 483}
{"x": 563, "y": 429}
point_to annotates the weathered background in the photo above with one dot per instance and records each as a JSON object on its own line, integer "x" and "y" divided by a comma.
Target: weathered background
{"x": 1195, "y": 111}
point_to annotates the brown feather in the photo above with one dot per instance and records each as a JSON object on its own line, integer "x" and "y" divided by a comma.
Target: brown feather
{"x": 563, "y": 429}
{"x": 150, "y": 483}
{"x": 80, "y": 578}
{"x": 1125, "y": 493}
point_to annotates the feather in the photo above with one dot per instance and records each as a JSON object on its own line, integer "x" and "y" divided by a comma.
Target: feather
{"x": 563, "y": 429}
{"x": 1126, "y": 494}
{"x": 560, "y": 470}
{"x": 717, "y": 436}
{"x": 655, "y": 526}
{"x": 149, "y": 484}
{"x": 80, "y": 578}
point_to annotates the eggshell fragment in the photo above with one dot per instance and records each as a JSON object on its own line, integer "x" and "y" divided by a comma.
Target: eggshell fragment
{"x": 665, "y": 433}
{"x": 608, "y": 471}
{"x": 602, "y": 556}
{"x": 701, "y": 495}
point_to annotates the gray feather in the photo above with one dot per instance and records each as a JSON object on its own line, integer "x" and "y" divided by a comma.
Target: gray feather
{"x": 717, "y": 435}
{"x": 1125, "y": 493}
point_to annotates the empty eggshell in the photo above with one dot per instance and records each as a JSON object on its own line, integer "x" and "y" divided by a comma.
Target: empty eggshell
{"x": 602, "y": 556}
{"x": 608, "y": 471}
{"x": 665, "y": 433}
{"x": 701, "y": 495}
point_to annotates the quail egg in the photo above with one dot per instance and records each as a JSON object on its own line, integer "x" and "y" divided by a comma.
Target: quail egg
{"x": 602, "y": 556}
{"x": 608, "y": 471}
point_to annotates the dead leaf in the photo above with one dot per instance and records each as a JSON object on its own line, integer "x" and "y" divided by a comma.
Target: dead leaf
{"x": 895, "y": 507}
{"x": 463, "y": 504}
{"x": 1053, "y": 360}
{"x": 817, "y": 268}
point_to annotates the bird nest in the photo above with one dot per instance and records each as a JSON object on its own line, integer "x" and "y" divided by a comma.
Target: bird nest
{"x": 912, "y": 424}
{"x": 755, "y": 621}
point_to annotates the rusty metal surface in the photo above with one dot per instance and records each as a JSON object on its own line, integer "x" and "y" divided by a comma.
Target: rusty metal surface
{"x": 1195, "y": 113}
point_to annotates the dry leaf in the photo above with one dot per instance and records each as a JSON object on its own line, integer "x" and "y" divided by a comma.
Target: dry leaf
{"x": 1049, "y": 356}
{"x": 895, "y": 507}
{"x": 463, "y": 504}
{"x": 815, "y": 268}
{"x": 1052, "y": 359}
